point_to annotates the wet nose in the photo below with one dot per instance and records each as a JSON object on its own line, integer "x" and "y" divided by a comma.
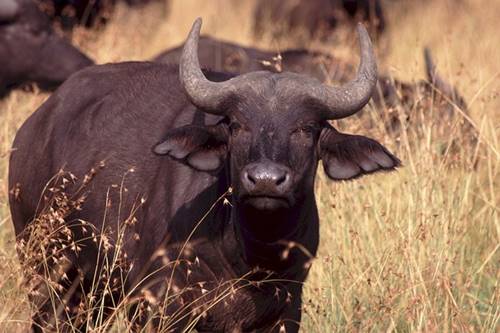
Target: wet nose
{"x": 266, "y": 177}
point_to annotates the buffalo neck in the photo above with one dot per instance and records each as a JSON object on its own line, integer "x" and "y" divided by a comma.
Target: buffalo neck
{"x": 278, "y": 240}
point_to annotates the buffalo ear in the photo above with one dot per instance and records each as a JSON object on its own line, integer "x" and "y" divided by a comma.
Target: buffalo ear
{"x": 349, "y": 156}
{"x": 203, "y": 148}
{"x": 9, "y": 9}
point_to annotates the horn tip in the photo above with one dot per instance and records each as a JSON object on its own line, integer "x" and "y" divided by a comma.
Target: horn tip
{"x": 430, "y": 66}
{"x": 363, "y": 34}
{"x": 197, "y": 23}
{"x": 361, "y": 28}
{"x": 368, "y": 62}
{"x": 428, "y": 55}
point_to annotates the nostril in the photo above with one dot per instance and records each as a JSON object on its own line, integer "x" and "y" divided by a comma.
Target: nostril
{"x": 264, "y": 177}
{"x": 282, "y": 179}
{"x": 250, "y": 178}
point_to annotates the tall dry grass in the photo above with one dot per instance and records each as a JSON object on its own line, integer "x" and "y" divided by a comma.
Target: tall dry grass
{"x": 415, "y": 250}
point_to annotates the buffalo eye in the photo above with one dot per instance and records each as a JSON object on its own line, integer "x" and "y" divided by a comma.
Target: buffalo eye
{"x": 306, "y": 130}
{"x": 235, "y": 128}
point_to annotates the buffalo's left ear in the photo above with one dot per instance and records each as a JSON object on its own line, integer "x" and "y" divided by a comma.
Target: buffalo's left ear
{"x": 203, "y": 148}
{"x": 349, "y": 156}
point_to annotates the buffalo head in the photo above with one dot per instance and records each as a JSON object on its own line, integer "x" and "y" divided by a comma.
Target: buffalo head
{"x": 30, "y": 51}
{"x": 275, "y": 129}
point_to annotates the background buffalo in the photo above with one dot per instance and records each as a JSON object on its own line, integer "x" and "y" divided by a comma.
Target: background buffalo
{"x": 30, "y": 50}
{"x": 84, "y": 12}
{"x": 316, "y": 18}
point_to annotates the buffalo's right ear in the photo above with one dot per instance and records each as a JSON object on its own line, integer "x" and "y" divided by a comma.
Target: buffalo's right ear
{"x": 9, "y": 9}
{"x": 350, "y": 156}
{"x": 203, "y": 148}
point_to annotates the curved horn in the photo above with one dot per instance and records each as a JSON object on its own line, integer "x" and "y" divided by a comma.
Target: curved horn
{"x": 343, "y": 101}
{"x": 203, "y": 93}
{"x": 434, "y": 78}
{"x": 8, "y": 10}
{"x": 439, "y": 83}
{"x": 430, "y": 67}
{"x": 338, "y": 102}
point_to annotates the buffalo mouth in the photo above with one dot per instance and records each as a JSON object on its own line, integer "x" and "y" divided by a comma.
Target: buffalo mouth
{"x": 266, "y": 202}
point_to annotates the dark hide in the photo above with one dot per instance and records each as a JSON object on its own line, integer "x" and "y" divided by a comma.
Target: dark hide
{"x": 224, "y": 56}
{"x": 84, "y": 12}
{"x": 406, "y": 106}
{"x": 30, "y": 51}
{"x": 136, "y": 116}
{"x": 316, "y": 18}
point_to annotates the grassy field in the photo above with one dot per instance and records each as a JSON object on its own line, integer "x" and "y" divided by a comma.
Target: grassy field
{"x": 411, "y": 251}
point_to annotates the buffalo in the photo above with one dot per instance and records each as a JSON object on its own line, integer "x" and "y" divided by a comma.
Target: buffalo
{"x": 315, "y": 18}
{"x": 229, "y": 57}
{"x": 30, "y": 51}
{"x": 83, "y": 12}
{"x": 71, "y": 12}
{"x": 209, "y": 176}
{"x": 415, "y": 108}
{"x": 389, "y": 96}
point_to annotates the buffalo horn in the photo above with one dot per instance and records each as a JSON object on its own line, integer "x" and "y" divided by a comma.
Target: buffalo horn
{"x": 334, "y": 102}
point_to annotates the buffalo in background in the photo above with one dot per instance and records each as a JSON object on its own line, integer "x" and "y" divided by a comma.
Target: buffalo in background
{"x": 84, "y": 12}
{"x": 316, "y": 18}
{"x": 229, "y": 57}
{"x": 30, "y": 51}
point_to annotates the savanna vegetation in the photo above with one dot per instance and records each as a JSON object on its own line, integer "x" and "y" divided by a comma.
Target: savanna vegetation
{"x": 412, "y": 251}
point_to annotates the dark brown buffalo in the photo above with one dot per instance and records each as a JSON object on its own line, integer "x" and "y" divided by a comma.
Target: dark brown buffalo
{"x": 315, "y": 18}
{"x": 165, "y": 144}
{"x": 30, "y": 51}
{"x": 428, "y": 107}
{"x": 400, "y": 103}
{"x": 84, "y": 12}
{"x": 228, "y": 57}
